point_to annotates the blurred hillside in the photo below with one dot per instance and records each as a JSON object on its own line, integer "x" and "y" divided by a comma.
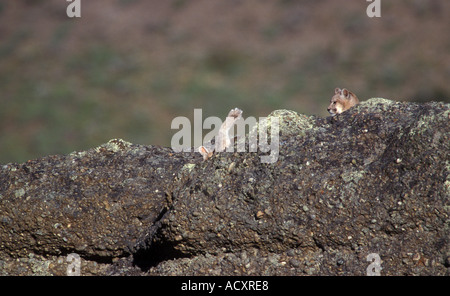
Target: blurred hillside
{"x": 126, "y": 68}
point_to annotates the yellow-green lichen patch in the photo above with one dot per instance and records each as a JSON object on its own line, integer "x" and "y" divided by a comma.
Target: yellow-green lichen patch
{"x": 292, "y": 123}
{"x": 114, "y": 145}
{"x": 19, "y": 192}
{"x": 377, "y": 101}
{"x": 188, "y": 167}
{"x": 424, "y": 122}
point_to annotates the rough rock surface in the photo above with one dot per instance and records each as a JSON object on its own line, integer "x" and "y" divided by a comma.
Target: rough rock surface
{"x": 374, "y": 179}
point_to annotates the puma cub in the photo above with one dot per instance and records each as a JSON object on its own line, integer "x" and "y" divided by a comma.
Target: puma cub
{"x": 342, "y": 100}
{"x": 222, "y": 140}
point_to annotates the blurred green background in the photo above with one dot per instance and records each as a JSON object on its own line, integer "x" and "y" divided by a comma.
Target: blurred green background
{"x": 126, "y": 68}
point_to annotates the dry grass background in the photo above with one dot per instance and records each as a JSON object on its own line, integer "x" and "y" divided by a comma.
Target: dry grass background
{"x": 126, "y": 68}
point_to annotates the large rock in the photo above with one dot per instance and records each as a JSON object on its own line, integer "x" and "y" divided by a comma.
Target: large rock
{"x": 373, "y": 180}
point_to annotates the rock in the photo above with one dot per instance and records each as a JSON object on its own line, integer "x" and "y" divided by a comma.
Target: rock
{"x": 374, "y": 179}
{"x": 94, "y": 203}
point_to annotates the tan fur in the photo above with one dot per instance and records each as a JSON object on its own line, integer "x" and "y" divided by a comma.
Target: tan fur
{"x": 205, "y": 152}
{"x": 342, "y": 100}
{"x": 223, "y": 138}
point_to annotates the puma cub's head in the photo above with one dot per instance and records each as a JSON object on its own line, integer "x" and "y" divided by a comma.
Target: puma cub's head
{"x": 342, "y": 100}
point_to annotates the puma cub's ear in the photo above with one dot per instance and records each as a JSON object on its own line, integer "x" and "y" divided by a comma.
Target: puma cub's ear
{"x": 345, "y": 93}
{"x": 337, "y": 91}
{"x": 205, "y": 152}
